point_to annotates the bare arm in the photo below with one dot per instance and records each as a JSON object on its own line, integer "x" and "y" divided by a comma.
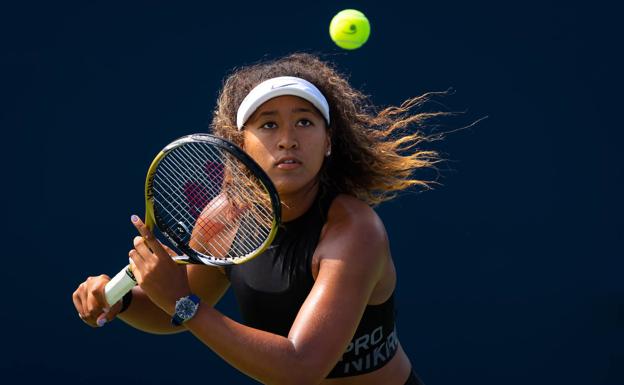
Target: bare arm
{"x": 353, "y": 253}
{"x": 89, "y": 299}
{"x": 209, "y": 283}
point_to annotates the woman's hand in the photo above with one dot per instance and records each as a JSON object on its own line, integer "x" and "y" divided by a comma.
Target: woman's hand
{"x": 90, "y": 302}
{"x": 163, "y": 280}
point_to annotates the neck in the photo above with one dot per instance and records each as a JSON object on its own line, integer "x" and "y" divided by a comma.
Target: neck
{"x": 296, "y": 204}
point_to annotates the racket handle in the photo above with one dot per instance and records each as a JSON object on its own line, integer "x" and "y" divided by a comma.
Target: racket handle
{"x": 117, "y": 287}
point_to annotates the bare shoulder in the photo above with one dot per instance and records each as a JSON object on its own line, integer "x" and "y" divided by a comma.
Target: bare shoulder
{"x": 349, "y": 212}
{"x": 354, "y": 230}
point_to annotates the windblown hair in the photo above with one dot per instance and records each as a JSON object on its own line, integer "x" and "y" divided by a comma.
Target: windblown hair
{"x": 374, "y": 154}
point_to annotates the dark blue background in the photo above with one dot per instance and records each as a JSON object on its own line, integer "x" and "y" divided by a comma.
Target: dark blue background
{"x": 509, "y": 273}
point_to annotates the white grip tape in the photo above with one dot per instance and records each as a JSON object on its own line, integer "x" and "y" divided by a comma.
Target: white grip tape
{"x": 117, "y": 287}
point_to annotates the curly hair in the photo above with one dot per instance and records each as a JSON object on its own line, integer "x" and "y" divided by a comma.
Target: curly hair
{"x": 374, "y": 154}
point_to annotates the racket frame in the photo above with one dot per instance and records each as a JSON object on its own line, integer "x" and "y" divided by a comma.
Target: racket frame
{"x": 193, "y": 256}
{"x": 124, "y": 281}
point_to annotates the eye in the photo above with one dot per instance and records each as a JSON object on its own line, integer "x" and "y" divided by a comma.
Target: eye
{"x": 304, "y": 123}
{"x": 269, "y": 125}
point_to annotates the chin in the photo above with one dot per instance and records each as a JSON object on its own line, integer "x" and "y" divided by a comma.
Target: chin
{"x": 289, "y": 186}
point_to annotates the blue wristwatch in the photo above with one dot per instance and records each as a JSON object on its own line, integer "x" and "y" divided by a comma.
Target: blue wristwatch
{"x": 185, "y": 309}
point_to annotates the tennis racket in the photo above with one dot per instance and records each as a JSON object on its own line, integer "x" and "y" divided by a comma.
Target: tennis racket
{"x": 211, "y": 201}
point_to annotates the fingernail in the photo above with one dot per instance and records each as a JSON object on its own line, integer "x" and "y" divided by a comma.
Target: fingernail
{"x": 106, "y": 309}
{"x": 134, "y": 219}
{"x": 101, "y": 322}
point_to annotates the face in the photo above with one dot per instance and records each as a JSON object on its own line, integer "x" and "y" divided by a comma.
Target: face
{"x": 288, "y": 138}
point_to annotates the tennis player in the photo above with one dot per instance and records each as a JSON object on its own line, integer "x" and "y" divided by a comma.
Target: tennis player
{"x": 318, "y": 306}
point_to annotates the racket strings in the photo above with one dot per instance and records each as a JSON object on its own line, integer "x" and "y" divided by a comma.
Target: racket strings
{"x": 184, "y": 216}
{"x": 242, "y": 188}
{"x": 258, "y": 217}
{"x": 189, "y": 220}
{"x": 246, "y": 187}
{"x": 196, "y": 179}
{"x": 179, "y": 168}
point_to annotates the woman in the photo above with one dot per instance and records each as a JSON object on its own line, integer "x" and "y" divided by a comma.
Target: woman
{"x": 318, "y": 306}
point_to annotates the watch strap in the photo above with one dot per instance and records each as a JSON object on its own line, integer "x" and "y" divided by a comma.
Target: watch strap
{"x": 125, "y": 302}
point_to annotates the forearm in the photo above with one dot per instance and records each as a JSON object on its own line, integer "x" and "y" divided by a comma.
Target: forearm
{"x": 208, "y": 282}
{"x": 267, "y": 357}
{"x": 144, "y": 315}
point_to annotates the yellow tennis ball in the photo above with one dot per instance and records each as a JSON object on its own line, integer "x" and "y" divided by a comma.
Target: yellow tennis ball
{"x": 349, "y": 29}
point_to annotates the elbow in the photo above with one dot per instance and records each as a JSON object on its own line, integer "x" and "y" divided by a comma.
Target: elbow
{"x": 301, "y": 367}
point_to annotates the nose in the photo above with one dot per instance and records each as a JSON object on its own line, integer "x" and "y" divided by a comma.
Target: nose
{"x": 288, "y": 139}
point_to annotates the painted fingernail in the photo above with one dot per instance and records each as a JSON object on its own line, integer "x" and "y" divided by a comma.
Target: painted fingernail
{"x": 101, "y": 322}
{"x": 134, "y": 219}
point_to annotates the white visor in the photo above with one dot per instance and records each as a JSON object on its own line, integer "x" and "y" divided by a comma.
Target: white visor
{"x": 283, "y": 85}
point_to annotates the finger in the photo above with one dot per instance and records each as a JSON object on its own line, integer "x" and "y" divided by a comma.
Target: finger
{"x": 148, "y": 235}
{"x": 113, "y": 312}
{"x": 169, "y": 250}
{"x": 76, "y": 298}
{"x": 102, "y": 303}
{"x": 81, "y": 299}
{"x": 84, "y": 299}
{"x": 96, "y": 300}
{"x": 142, "y": 249}
{"x": 102, "y": 319}
{"x": 135, "y": 264}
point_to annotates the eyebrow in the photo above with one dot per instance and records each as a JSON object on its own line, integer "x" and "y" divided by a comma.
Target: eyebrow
{"x": 265, "y": 113}
{"x": 302, "y": 109}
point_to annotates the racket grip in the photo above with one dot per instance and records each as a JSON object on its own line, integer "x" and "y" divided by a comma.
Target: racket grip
{"x": 117, "y": 287}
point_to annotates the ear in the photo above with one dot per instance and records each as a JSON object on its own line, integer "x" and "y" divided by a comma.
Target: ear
{"x": 327, "y": 146}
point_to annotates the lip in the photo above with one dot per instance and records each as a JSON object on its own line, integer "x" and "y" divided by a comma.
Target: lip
{"x": 287, "y": 166}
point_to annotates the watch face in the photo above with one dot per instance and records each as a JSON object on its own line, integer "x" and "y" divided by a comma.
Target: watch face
{"x": 185, "y": 308}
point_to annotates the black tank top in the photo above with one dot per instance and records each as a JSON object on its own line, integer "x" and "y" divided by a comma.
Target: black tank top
{"x": 271, "y": 288}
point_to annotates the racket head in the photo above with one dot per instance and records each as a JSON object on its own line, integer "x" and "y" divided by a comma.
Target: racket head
{"x": 212, "y": 201}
